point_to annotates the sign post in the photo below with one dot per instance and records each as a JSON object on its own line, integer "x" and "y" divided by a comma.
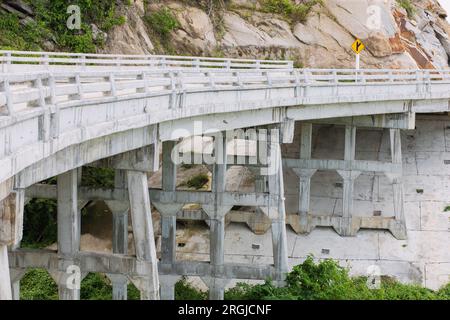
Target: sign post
{"x": 357, "y": 47}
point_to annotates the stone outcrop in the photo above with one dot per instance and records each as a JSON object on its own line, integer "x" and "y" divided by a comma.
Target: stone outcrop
{"x": 242, "y": 28}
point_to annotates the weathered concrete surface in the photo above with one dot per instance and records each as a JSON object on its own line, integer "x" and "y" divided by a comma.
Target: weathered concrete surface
{"x": 423, "y": 258}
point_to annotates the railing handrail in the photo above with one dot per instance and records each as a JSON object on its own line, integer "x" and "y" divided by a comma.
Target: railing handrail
{"x": 37, "y": 57}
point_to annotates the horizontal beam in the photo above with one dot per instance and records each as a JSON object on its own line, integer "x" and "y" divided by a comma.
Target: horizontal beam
{"x": 356, "y": 165}
{"x": 390, "y": 121}
{"x": 130, "y": 266}
{"x": 156, "y": 195}
{"x": 87, "y": 261}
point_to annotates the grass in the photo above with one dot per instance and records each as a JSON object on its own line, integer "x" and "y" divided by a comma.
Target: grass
{"x": 289, "y": 9}
{"x": 408, "y": 6}
{"x": 162, "y": 22}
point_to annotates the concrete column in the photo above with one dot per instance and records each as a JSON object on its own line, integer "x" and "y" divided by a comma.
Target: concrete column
{"x": 304, "y": 176}
{"x": 5, "y": 281}
{"x": 216, "y": 213}
{"x": 16, "y": 275}
{"x": 144, "y": 240}
{"x": 68, "y": 232}
{"x": 168, "y": 286}
{"x": 11, "y": 225}
{"x": 277, "y": 212}
{"x": 168, "y": 219}
{"x": 119, "y": 211}
{"x": 399, "y": 227}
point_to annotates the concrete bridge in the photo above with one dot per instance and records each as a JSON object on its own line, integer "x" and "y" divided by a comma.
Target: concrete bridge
{"x": 61, "y": 111}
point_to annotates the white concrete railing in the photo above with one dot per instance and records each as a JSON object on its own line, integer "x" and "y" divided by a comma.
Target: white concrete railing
{"x": 40, "y": 89}
{"x": 13, "y": 61}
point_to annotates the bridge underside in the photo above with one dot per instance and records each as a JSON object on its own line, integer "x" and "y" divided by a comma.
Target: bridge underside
{"x": 285, "y": 196}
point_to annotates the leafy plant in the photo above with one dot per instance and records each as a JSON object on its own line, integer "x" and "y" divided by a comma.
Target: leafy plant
{"x": 408, "y": 6}
{"x": 198, "y": 181}
{"x": 185, "y": 291}
{"x": 293, "y": 11}
{"x": 162, "y": 22}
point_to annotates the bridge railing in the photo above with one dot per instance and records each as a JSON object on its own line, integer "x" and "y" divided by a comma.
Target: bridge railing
{"x": 12, "y": 61}
{"x": 21, "y": 90}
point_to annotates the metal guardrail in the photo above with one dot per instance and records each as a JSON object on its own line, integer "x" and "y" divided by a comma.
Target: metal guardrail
{"x": 19, "y": 90}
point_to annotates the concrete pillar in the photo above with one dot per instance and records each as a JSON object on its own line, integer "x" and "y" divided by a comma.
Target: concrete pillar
{"x": 16, "y": 275}
{"x": 68, "y": 234}
{"x": 5, "y": 281}
{"x": 304, "y": 176}
{"x": 398, "y": 228}
{"x": 11, "y": 225}
{"x": 346, "y": 227}
{"x": 144, "y": 240}
{"x": 216, "y": 213}
{"x": 277, "y": 213}
{"x": 167, "y": 283}
{"x": 168, "y": 219}
{"x": 119, "y": 211}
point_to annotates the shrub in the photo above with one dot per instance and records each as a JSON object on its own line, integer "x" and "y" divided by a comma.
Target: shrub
{"x": 37, "y": 284}
{"x": 97, "y": 177}
{"x": 162, "y": 22}
{"x": 185, "y": 291}
{"x": 295, "y": 12}
{"x": 39, "y": 226}
{"x": 198, "y": 181}
{"x": 408, "y": 6}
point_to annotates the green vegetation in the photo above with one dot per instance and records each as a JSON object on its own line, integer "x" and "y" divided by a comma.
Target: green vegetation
{"x": 97, "y": 177}
{"x": 50, "y": 25}
{"x": 185, "y": 291}
{"x": 287, "y": 8}
{"x": 37, "y": 284}
{"x": 162, "y": 22}
{"x": 447, "y": 209}
{"x": 408, "y": 6}
{"x": 308, "y": 281}
{"x": 197, "y": 181}
{"x": 39, "y": 226}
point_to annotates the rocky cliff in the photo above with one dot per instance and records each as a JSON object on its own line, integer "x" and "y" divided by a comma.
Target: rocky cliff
{"x": 397, "y": 34}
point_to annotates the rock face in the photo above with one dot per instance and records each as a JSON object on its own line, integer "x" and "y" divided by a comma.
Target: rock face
{"x": 242, "y": 28}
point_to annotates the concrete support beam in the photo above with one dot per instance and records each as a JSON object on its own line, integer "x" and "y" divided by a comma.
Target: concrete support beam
{"x": 398, "y": 228}
{"x": 119, "y": 211}
{"x": 167, "y": 283}
{"x": 5, "y": 281}
{"x": 69, "y": 222}
{"x": 144, "y": 240}
{"x": 16, "y": 275}
{"x": 216, "y": 213}
{"x": 277, "y": 213}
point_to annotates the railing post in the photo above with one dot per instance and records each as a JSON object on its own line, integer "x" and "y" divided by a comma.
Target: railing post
{"x": 297, "y": 83}
{"x": 46, "y": 57}
{"x": 112, "y": 83}
{"x": 228, "y": 64}
{"x": 212, "y": 84}
{"x": 238, "y": 79}
{"x": 173, "y": 94}
{"x": 197, "y": 63}
{"x": 77, "y": 81}
{"x": 258, "y": 64}
{"x": 143, "y": 77}
{"x": 5, "y": 87}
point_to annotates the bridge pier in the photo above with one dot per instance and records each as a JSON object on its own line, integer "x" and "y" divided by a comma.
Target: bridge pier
{"x": 144, "y": 242}
{"x": 119, "y": 211}
{"x": 11, "y": 225}
{"x": 68, "y": 275}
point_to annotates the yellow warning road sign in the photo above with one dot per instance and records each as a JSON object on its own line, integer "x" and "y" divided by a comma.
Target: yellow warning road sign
{"x": 358, "y": 46}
